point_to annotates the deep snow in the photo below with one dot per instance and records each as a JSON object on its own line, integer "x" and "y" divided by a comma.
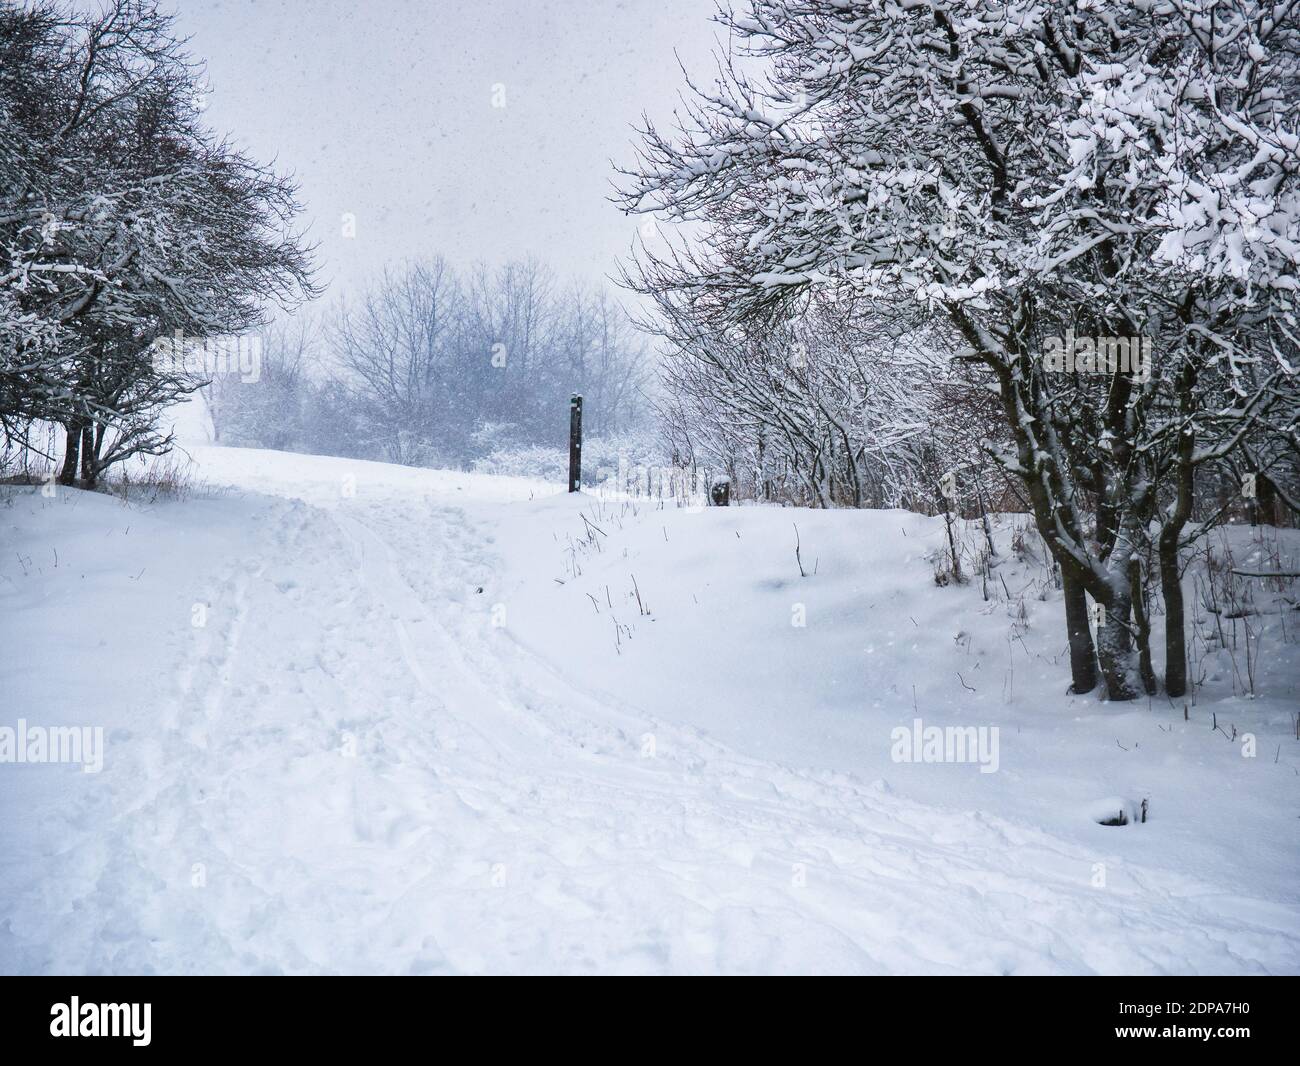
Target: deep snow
{"x": 426, "y": 726}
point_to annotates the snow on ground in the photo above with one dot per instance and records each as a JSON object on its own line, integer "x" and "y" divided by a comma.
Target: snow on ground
{"x": 361, "y": 718}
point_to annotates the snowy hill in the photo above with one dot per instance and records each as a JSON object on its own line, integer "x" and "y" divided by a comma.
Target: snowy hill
{"x": 363, "y": 718}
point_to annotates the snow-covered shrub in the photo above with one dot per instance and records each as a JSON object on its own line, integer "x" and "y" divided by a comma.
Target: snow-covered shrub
{"x": 529, "y": 460}
{"x": 602, "y": 457}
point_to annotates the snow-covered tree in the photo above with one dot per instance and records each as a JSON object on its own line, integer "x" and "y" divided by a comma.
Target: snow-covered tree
{"x": 835, "y": 406}
{"x": 1027, "y": 170}
{"x": 122, "y": 219}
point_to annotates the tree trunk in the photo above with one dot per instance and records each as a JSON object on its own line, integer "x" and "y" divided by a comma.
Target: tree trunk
{"x": 1083, "y": 656}
{"x": 1171, "y": 586}
{"x": 1267, "y": 499}
{"x": 988, "y": 526}
{"x": 71, "y": 455}
{"x": 88, "y": 466}
{"x": 1171, "y": 589}
{"x": 1143, "y": 622}
{"x": 952, "y": 545}
{"x": 1115, "y": 648}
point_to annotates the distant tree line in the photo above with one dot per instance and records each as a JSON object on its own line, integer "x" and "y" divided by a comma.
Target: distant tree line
{"x": 434, "y": 366}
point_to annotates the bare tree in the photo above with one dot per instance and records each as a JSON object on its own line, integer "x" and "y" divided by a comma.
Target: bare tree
{"x": 444, "y": 365}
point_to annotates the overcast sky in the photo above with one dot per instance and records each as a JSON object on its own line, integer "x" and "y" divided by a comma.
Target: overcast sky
{"x": 384, "y": 110}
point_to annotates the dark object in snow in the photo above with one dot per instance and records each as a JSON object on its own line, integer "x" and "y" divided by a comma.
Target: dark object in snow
{"x": 1122, "y": 817}
{"x": 720, "y": 493}
{"x": 575, "y": 443}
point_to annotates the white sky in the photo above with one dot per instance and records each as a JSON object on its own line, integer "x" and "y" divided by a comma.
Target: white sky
{"x": 383, "y": 109}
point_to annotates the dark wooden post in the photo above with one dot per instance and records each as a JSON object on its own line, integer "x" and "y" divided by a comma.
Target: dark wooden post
{"x": 575, "y": 443}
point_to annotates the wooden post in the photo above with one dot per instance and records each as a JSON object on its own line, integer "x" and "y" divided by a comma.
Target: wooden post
{"x": 575, "y": 443}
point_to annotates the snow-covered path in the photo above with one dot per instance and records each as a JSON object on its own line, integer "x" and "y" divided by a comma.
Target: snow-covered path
{"x": 349, "y": 768}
